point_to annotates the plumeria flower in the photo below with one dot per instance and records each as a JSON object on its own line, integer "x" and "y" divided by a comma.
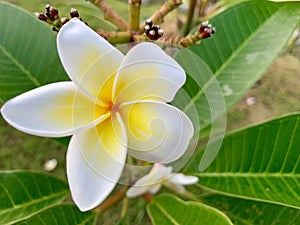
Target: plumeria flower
{"x": 158, "y": 176}
{"x": 113, "y": 105}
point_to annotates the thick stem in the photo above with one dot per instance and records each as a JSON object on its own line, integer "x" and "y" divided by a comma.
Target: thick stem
{"x": 190, "y": 16}
{"x": 111, "y": 15}
{"x": 167, "y": 7}
{"x": 134, "y": 16}
{"x": 112, "y": 200}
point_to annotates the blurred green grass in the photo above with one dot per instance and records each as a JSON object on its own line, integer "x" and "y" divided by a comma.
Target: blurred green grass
{"x": 276, "y": 94}
{"x": 23, "y": 151}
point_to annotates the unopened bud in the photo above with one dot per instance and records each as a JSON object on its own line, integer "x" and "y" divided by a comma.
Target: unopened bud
{"x": 149, "y": 22}
{"x": 206, "y": 30}
{"x": 153, "y": 32}
{"x": 53, "y": 13}
{"x": 147, "y": 28}
{"x": 41, "y": 16}
{"x": 160, "y": 32}
{"x": 47, "y": 12}
{"x": 74, "y": 13}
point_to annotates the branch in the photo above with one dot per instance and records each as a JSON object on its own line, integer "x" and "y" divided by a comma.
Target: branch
{"x": 111, "y": 15}
{"x": 147, "y": 197}
{"x": 206, "y": 30}
{"x": 202, "y": 7}
{"x": 113, "y": 37}
{"x": 134, "y": 19}
{"x": 167, "y": 7}
{"x": 190, "y": 16}
{"x": 112, "y": 200}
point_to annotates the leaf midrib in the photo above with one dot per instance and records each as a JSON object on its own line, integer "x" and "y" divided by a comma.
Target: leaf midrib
{"x": 34, "y": 202}
{"x": 257, "y": 174}
{"x": 168, "y": 216}
{"x": 228, "y": 60}
{"x": 20, "y": 66}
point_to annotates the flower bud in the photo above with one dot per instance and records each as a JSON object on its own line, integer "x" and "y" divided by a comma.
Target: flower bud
{"x": 153, "y": 32}
{"x": 53, "y": 13}
{"x": 41, "y": 16}
{"x": 206, "y": 30}
{"x": 149, "y": 22}
{"x": 74, "y": 13}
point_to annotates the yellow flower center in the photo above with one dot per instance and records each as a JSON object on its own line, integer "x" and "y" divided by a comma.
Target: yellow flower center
{"x": 105, "y": 96}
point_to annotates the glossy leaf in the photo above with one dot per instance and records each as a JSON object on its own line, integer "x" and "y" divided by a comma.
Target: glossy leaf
{"x": 23, "y": 194}
{"x": 204, "y": 110}
{"x": 249, "y": 36}
{"x": 61, "y": 215}
{"x": 28, "y": 55}
{"x": 259, "y": 162}
{"x": 168, "y": 209}
{"x": 245, "y": 212}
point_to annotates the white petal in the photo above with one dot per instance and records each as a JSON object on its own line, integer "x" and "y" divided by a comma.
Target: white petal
{"x": 147, "y": 72}
{"x": 157, "y": 132}
{"x": 49, "y": 110}
{"x": 180, "y": 178}
{"x": 176, "y": 187}
{"x": 160, "y": 173}
{"x": 95, "y": 161}
{"x": 88, "y": 59}
{"x": 140, "y": 187}
{"x": 155, "y": 188}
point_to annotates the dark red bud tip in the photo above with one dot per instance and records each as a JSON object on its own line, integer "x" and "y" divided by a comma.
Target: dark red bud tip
{"x": 149, "y": 22}
{"x": 154, "y": 32}
{"x": 206, "y": 30}
{"x": 42, "y": 17}
{"x": 54, "y": 13}
{"x": 203, "y": 26}
{"x": 47, "y": 7}
{"x": 74, "y": 13}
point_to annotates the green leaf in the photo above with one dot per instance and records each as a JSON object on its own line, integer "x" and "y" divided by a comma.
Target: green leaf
{"x": 28, "y": 55}
{"x": 204, "y": 110}
{"x": 246, "y": 212}
{"x": 260, "y": 163}
{"x": 23, "y": 194}
{"x": 249, "y": 36}
{"x": 65, "y": 214}
{"x": 168, "y": 209}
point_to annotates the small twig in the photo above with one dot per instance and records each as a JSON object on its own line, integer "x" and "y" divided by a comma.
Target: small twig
{"x": 124, "y": 208}
{"x": 134, "y": 16}
{"x": 206, "y": 30}
{"x": 113, "y": 37}
{"x": 147, "y": 197}
{"x": 112, "y": 200}
{"x": 111, "y": 15}
{"x": 167, "y": 7}
{"x": 190, "y": 16}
